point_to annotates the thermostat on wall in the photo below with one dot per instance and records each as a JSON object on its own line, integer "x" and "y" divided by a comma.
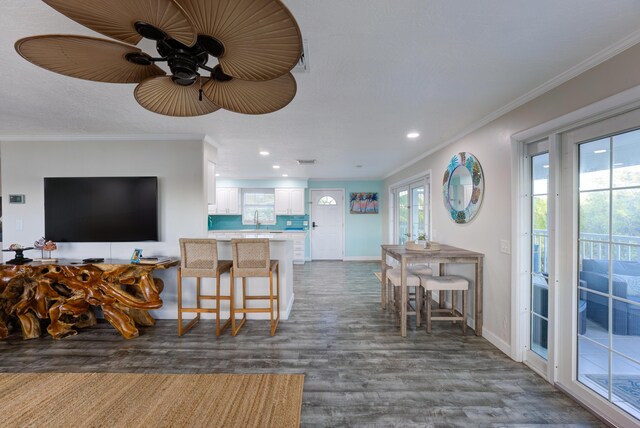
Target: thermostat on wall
{"x": 16, "y": 199}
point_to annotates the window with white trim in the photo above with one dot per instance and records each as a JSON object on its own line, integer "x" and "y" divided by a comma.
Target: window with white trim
{"x": 327, "y": 200}
{"x": 258, "y": 206}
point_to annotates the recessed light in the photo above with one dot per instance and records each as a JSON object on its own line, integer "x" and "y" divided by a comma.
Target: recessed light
{"x": 413, "y": 135}
{"x": 276, "y": 167}
{"x": 217, "y": 175}
{"x": 600, "y": 151}
{"x": 285, "y": 175}
{"x": 545, "y": 166}
{"x": 264, "y": 153}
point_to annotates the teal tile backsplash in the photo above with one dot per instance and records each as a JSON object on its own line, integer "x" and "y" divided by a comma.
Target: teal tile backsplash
{"x": 234, "y": 222}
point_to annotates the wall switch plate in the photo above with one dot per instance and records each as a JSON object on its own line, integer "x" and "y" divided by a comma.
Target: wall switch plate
{"x": 505, "y": 246}
{"x": 16, "y": 199}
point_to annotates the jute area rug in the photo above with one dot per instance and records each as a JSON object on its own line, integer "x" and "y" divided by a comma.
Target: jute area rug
{"x": 149, "y": 400}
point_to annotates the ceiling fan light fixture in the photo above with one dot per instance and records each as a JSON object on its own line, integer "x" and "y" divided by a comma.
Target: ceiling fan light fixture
{"x": 148, "y": 31}
{"x": 183, "y": 82}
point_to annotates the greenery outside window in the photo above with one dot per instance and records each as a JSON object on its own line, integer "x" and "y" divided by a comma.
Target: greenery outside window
{"x": 260, "y": 201}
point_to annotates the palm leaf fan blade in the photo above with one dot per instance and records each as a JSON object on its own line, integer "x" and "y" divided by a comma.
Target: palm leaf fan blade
{"x": 242, "y": 96}
{"x": 86, "y": 58}
{"x": 260, "y": 39}
{"x": 117, "y": 18}
{"x": 163, "y": 96}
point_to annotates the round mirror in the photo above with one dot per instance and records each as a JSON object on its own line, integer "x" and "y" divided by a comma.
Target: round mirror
{"x": 463, "y": 187}
{"x": 460, "y": 188}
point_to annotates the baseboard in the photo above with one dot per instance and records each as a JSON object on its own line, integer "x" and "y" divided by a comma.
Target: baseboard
{"x": 361, "y": 259}
{"x": 287, "y": 311}
{"x": 496, "y": 341}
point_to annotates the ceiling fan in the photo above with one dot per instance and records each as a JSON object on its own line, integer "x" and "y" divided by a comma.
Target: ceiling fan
{"x": 256, "y": 44}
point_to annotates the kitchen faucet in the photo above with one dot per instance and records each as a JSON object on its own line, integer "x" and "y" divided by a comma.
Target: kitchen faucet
{"x": 255, "y": 220}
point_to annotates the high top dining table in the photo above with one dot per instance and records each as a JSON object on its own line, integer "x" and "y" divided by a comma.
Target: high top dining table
{"x": 446, "y": 255}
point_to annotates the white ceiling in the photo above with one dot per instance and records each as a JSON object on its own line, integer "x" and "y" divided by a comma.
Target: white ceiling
{"x": 378, "y": 69}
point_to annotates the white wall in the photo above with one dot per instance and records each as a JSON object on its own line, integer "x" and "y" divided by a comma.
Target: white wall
{"x": 492, "y": 146}
{"x": 182, "y": 201}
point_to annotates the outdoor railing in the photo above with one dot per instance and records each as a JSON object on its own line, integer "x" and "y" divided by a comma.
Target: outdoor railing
{"x": 592, "y": 246}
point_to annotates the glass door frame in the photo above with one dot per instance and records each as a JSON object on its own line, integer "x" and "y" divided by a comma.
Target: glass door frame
{"x": 422, "y": 180}
{"x": 567, "y": 379}
{"x": 521, "y": 262}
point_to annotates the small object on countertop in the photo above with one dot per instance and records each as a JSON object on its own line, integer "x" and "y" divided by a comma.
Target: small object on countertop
{"x": 135, "y": 257}
{"x": 50, "y": 246}
{"x": 19, "y": 258}
{"x": 154, "y": 260}
{"x": 93, "y": 260}
{"x": 39, "y": 244}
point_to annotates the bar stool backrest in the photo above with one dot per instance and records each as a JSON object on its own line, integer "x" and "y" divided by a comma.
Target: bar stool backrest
{"x": 251, "y": 257}
{"x": 199, "y": 257}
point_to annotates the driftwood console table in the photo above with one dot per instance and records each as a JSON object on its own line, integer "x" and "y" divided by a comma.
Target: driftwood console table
{"x": 66, "y": 292}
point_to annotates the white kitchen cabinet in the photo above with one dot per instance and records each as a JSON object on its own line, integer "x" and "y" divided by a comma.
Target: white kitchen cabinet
{"x": 289, "y": 201}
{"x": 299, "y": 247}
{"x": 227, "y": 201}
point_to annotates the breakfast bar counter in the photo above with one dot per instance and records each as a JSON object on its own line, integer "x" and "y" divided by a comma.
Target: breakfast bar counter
{"x": 281, "y": 247}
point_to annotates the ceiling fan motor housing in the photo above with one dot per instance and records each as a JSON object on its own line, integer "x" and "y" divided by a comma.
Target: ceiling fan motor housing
{"x": 184, "y": 61}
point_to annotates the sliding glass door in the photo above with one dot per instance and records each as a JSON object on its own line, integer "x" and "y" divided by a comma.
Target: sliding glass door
{"x": 608, "y": 298}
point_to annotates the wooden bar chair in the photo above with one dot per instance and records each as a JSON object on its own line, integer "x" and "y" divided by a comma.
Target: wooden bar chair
{"x": 446, "y": 283}
{"x": 251, "y": 258}
{"x": 199, "y": 259}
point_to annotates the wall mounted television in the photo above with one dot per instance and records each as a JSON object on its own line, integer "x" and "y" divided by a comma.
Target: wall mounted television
{"x": 101, "y": 209}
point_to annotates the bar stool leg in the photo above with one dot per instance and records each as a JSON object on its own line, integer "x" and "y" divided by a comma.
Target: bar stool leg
{"x": 232, "y": 302}
{"x": 418, "y": 305}
{"x": 277, "y": 297}
{"x": 428, "y": 317}
{"x": 454, "y": 304}
{"x": 465, "y": 303}
{"x": 179, "y": 302}
{"x": 217, "y": 304}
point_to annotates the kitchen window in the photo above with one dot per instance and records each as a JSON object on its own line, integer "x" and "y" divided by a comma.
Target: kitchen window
{"x": 258, "y": 206}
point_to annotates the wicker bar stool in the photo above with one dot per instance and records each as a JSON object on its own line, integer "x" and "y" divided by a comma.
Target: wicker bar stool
{"x": 199, "y": 259}
{"x": 251, "y": 258}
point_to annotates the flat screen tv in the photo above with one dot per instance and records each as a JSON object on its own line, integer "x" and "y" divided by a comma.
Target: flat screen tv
{"x": 101, "y": 209}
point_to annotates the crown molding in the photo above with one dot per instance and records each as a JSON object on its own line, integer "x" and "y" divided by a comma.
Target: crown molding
{"x": 594, "y": 60}
{"x": 209, "y": 140}
{"x": 107, "y": 137}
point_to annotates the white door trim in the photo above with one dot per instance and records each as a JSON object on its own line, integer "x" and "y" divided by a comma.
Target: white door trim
{"x": 344, "y": 209}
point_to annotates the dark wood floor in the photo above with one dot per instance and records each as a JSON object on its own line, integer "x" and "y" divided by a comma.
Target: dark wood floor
{"x": 359, "y": 371}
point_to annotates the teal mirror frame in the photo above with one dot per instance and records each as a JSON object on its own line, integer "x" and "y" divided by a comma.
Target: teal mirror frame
{"x": 471, "y": 163}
